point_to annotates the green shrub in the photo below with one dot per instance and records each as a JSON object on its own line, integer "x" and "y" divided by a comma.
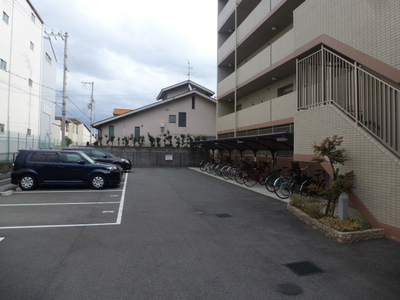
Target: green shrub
{"x": 309, "y": 205}
{"x": 351, "y": 224}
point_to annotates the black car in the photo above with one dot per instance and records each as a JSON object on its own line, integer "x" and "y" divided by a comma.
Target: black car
{"x": 104, "y": 156}
{"x": 57, "y": 167}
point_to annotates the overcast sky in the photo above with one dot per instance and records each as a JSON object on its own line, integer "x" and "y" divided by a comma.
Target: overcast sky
{"x": 130, "y": 49}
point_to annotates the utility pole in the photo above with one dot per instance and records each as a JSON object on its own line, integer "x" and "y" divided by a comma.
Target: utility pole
{"x": 64, "y": 103}
{"x": 91, "y": 106}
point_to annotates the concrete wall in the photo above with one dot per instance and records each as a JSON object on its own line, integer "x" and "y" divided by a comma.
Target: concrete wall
{"x": 160, "y": 156}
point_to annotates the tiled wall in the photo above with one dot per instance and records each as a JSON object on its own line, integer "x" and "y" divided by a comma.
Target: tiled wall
{"x": 377, "y": 171}
{"x": 371, "y": 26}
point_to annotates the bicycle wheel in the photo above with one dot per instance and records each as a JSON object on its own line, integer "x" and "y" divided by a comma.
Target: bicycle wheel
{"x": 225, "y": 173}
{"x": 305, "y": 189}
{"x": 285, "y": 190}
{"x": 269, "y": 183}
{"x": 239, "y": 177}
{"x": 248, "y": 179}
{"x": 278, "y": 182}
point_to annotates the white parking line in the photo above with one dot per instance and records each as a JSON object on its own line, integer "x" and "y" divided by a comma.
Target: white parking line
{"x": 67, "y": 191}
{"x": 121, "y": 206}
{"x": 118, "y": 222}
{"x": 49, "y": 204}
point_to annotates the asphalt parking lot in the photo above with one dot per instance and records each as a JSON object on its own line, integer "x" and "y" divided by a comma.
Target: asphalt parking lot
{"x": 62, "y": 207}
{"x": 174, "y": 233}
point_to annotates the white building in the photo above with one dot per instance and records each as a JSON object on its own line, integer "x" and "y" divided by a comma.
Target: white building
{"x": 76, "y": 130}
{"x": 27, "y": 78}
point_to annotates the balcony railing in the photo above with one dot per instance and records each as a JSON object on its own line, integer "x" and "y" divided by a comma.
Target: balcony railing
{"x": 325, "y": 77}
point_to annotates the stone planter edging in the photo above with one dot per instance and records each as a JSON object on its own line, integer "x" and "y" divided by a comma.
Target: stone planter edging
{"x": 340, "y": 237}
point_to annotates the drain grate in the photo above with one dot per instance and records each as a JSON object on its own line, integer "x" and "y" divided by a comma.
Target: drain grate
{"x": 223, "y": 216}
{"x": 304, "y": 268}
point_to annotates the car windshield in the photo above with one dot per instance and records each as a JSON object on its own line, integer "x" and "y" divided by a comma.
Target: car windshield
{"x": 89, "y": 159}
{"x": 108, "y": 153}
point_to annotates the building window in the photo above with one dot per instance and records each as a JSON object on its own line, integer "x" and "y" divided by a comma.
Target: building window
{"x": 137, "y": 132}
{"x": 182, "y": 119}
{"x": 193, "y": 102}
{"x": 33, "y": 17}
{"x": 48, "y": 58}
{"x": 111, "y": 131}
{"x": 30, "y": 82}
{"x": 5, "y": 17}
{"x": 2, "y": 128}
{"x": 287, "y": 89}
{"x": 172, "y": 118}
{"x": 32, "y": 46}
{"x": 3, "y": 65}
{"x": 28, "y": 132}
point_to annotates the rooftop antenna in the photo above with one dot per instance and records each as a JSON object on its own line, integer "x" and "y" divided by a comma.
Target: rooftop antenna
{"x": 189, "y": 68}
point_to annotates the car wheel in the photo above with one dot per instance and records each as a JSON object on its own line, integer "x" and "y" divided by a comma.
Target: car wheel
{"x": 27, "y": 182}
{"x": 98, "y": 181}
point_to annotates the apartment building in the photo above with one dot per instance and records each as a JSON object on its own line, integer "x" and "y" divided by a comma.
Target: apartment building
{"x": 27, "y": 78}
{"x": 293, "y": 72}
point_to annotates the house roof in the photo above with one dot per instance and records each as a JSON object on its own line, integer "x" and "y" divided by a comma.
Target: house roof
{"x": 120, "y": 111}
{"x": 191, "y": 86}
{"x": 200, "y": 92}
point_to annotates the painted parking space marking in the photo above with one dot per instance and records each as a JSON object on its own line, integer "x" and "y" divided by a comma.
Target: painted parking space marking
{"x": 66, "y": 191}
{"x": 118, "y": 221}
{"x": 50, "y": 204}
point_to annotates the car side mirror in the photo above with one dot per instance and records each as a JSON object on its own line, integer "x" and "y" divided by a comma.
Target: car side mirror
{"x": 105, "y": 156}
{"x": 81, "y": 162}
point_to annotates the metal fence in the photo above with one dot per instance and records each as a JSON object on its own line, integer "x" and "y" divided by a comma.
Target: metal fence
{"x": 325, "y": 77}
{"x": 11, "y": 142}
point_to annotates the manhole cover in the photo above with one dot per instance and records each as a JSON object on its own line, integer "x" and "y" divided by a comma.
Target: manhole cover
{"x": 304, "y": 268}
{"x": 223, "y": 216}
{"x": 289, "y": 289}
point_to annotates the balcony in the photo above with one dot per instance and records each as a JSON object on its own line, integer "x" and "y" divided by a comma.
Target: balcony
{"x": 255, "y": 66}
{"x": 260, "y": 115}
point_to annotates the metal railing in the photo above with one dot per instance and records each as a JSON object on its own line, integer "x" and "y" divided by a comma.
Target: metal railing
{"x": 324, "y": 77}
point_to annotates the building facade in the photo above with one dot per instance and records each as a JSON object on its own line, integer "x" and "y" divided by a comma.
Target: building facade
{"x": 315, "y": 69}
{"x": 27, "y": 78}
{"x": 76, "y": 130}
{"x": 182, "y": 109}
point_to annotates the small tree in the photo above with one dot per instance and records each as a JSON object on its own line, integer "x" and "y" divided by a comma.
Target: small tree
{"x": 141, "y": 140}
{"x": 328, "y": 151}
{"x": 68, "y": 141}
{"x": 112, "y": 138}
{"x": 125, "y": 140}
{"x": 167, "y": 138}
{"x": 119, "y": 141}
{"x": 177, "y": 141}
{"x": 152, "y": 139}
{"x": 158, "y": 141}
{"x": 100, "y": 138}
